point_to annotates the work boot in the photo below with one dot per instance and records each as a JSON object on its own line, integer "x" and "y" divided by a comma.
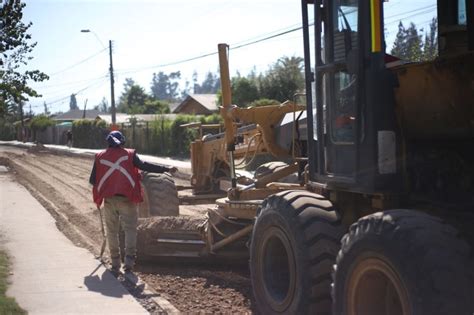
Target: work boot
{"x": 129, "y": 263}
{"x": 115, "y": 265}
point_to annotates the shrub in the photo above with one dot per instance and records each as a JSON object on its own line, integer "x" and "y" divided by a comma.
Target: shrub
{"x": 264, "y": 102}
{"x": 41, "y": 122}
{"x": 182, "y": 137}
{"x": 89, "y": 133}
{"x": 7, "y": 130}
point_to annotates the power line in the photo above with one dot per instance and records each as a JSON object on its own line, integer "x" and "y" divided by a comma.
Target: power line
{"x": 78, "y": 63}
{"x": 79, "y": 91}
{"x": 246, "y": 43}
{"x": 268, "y": 37}
{"x": 63, "y": 91}
{"x": 415, "y": 11}
{"x": 422, "y": 10}
{"x": 69, "y": 83}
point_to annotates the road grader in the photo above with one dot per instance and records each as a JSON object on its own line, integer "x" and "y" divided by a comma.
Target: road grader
{"x": 380, "y": 221}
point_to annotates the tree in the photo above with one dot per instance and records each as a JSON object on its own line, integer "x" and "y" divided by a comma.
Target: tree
{"x": 210, "y": 85}
{"x": 15, "y": 49}
{"x": 263, "y": 102}
{"x": 414, "y": 43}
{"x": 122, "y": 104}
{"x": 187, "y": 89}
{"x": 410, "y": 46}
{"x": 431, "y": 41}
{"x": 136, "y": 99}
{"x": 152, "y": 106}
{"x": 283, "y": 79}
{"x": 73, "y": 102}
{"x": 244, "y": 91}
{"x": 103, "y": 106}
{"x": 165, "y": 86}
{"x": 399, "y": 46}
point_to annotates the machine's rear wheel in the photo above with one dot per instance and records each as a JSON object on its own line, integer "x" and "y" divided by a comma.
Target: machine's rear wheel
{"x": 271, "y": 167}
{"x": 294, "y": 245}
{"x": 161, "y": 196}
{"x": 402, "y": 262}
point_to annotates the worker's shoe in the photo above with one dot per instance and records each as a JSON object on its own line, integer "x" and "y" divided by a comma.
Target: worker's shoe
{"x": 115, "y": 265}
{"x": 129, "y": 263}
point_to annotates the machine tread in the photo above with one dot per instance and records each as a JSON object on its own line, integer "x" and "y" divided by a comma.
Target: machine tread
{"x": 162, "y": 194}
{"x": 434, "y": 262}
{"x": 317, "y": 232}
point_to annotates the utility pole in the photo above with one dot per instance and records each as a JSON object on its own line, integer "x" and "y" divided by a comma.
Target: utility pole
{"x": 112, "y": 94}
{"x": 111, "y": 69}
{"x": 22, "y": 119}
{"x": 84, "y": 112}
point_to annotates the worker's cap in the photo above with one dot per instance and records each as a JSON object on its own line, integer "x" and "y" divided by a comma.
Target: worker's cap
{"x": 115, "y": 138}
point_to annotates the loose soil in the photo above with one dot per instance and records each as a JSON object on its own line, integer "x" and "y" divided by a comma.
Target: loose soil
{"x": 60, "y": 182}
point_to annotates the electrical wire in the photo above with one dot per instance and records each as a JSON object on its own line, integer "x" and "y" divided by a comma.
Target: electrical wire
{"x": 78, "y": 63}
{"x": 78, "y": 91}
{"x": 238, "y": 45}
{"x": 66, "y": 90}
{"x": 231, "y": 47}
{"x": 259, "y": 39}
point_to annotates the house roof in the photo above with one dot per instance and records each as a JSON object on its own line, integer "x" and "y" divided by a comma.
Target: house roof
{"x": 173, "y": 106}
{"x": 209, "y": 101}
{"x": 120, "y": 118}
{"x": 77, "y": 114}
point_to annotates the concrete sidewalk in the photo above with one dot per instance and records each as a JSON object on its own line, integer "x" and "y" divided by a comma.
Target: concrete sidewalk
{"x": 50, "y": 275}
{"x": 184, "y": 166}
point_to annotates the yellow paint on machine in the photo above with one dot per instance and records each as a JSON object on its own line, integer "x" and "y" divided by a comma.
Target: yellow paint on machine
{"x": 376, "y": 25}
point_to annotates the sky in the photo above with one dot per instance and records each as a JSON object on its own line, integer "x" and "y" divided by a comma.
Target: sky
{"x": 149, "y": 34}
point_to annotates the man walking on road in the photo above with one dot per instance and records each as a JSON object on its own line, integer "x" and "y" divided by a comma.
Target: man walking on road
{"x": 69, "y": 138}
{"x": 116, "y": 179}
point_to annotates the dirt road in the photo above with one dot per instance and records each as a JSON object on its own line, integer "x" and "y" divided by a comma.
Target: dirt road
{"x": 60, "y": 181}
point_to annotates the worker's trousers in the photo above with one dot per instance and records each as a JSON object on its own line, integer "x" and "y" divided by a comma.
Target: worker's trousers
{"x": 120, "y": 210}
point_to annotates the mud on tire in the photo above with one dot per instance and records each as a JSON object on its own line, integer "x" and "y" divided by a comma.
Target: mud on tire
{"x": 294, "y": 244}
{"x": 402, "y": 262}
{"x": 160, "y": 196}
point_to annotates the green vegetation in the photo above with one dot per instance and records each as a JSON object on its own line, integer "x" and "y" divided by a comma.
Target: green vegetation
{"x": 89, "y": 133}
{"x": 41, "y": 122}
{"x": 263, "y": 102}
{"x": 411, "y": 46}
{"x": 7, "y": 130}
{"x": 15, "y": 51}
{"x": 166, "y": 137}
{"x": 7, "y": 304}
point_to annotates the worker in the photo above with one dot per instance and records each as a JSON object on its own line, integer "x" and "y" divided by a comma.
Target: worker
{"x": 69, "y": 138}
{"x": 116, "y": 181}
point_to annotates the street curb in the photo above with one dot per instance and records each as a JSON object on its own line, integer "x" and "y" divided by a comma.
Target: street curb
{"x": 88, "y": 243}
{"x": 163, "y": 303}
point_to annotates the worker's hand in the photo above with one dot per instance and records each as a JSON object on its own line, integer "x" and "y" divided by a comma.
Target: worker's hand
{"x": 173, "y": 170}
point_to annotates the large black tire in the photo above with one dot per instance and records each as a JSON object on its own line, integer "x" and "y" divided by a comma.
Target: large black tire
{"x": 161, "y": 196}
{"x": 271, "y": 167}
{"x": 402, "y": 262}
{"x": 294, "y": 245}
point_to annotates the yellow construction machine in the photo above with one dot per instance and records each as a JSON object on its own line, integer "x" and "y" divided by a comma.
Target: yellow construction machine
{"x": 382, "y": 220}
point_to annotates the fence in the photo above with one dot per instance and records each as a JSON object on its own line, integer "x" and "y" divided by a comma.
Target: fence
{"x": 161, "y": 137}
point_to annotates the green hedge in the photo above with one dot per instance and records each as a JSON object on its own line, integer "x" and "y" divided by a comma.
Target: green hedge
{"x": 161, "y": 137}
{"x": 89, "y": 134}
{"x": 7, "y": 130}
{"x": 41, "y": 122}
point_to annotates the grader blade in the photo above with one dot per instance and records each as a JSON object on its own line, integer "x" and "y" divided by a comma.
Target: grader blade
{"x": 170, "y": 237}
{"x": 178, "y": 243}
